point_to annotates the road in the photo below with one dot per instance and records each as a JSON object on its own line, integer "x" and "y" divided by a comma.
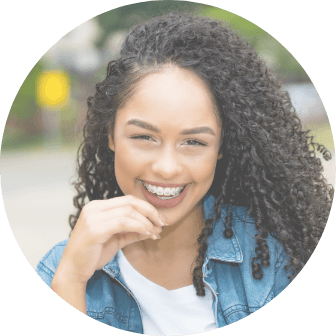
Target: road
{"x": 38, "y": 198}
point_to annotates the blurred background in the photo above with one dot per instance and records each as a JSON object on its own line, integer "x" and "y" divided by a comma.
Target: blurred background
{"x": 43, "y": 129}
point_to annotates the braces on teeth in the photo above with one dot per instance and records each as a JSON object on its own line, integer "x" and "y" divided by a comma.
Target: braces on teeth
{"x": 168, "y": 193}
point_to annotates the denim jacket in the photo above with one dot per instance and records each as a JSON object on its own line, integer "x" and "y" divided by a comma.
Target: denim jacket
{"x": 226, "y": 271}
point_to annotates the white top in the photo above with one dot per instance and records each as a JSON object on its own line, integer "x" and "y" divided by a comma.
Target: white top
{"x": 168, "y": 312}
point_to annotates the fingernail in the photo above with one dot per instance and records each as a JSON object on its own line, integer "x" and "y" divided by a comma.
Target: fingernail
{"x": 154, "y": 236}
{"x": 163, "y": 219}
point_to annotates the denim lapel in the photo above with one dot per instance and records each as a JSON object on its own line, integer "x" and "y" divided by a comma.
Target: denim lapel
{"x": 219, "y": 247}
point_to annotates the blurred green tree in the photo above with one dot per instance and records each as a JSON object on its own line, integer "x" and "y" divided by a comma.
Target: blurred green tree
{"x": 23, "y": 126}
{"x": 123, "y": 18}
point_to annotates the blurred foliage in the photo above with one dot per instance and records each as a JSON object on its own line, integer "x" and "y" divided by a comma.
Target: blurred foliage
{"x": 25, "y": 107}
{"x": 20, "y": 141}
{"x": 273, "y": 52}
{"x": 322, "y": 134}
{"x": 125, "y": 17}
{"x": 24, "y": 126}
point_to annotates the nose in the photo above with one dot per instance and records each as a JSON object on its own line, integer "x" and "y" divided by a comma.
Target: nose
{"x": 167, "y": 164}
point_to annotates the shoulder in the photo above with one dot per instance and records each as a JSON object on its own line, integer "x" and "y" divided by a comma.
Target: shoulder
{"x": 47, "y": 266}
{"x": 243, "y": 226}
{"x": 241, "y": 248}
{"x": 275, "y": 275}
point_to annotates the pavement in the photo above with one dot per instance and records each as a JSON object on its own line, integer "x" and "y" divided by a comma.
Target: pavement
{"x": 38, "y": 198}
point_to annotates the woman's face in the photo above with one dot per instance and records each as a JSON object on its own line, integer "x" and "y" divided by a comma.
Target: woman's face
{"x": 166, "y": 140}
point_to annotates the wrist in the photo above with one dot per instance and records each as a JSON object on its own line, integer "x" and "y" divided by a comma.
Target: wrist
{"x": 63, "y": 277}
{"x": 70, "y": 289}
{"x": 67, "y": 280}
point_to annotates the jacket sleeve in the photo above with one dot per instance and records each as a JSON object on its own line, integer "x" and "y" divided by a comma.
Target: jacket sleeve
{"x": 281, "y": 280}
{"x": 46, "y": 268}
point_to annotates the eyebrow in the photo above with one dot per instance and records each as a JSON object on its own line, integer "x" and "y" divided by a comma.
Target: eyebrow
{"x": 150, "y": 127}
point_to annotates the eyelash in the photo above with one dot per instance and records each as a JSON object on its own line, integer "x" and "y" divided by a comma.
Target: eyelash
{"x": 142, "y": 137}
{"x": 198, "y": 143}
{"x": 147, "y": 138}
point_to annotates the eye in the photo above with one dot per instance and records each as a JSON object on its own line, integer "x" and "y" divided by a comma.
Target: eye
{"x": 142, "y": 137}
{"x": 194, "y": 142}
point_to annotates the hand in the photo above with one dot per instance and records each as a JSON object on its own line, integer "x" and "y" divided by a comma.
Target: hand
{"x": 103, "y": 228}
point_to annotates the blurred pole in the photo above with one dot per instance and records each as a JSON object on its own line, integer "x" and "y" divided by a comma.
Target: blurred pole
{"x": 51, "y": 124}
{"x": 52, "y": 93}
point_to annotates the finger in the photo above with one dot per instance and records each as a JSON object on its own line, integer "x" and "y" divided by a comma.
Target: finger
{"x": 147, "y": 210}
{"x": 130, "y": 212}
{"x": 123, "y": 239}
{"x": 133, "y": 236}
{"x": 115, "y": 226}
{"x": 141, "y": 206}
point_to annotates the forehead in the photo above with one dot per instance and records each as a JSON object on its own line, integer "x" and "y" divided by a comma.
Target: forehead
{"x": 173, "y": 97}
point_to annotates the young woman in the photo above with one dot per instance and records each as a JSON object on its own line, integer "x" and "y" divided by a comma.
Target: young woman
{"x": 199, "y": 194}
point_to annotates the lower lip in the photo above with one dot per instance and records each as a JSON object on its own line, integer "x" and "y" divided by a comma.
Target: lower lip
{"x": 160, "y": 203}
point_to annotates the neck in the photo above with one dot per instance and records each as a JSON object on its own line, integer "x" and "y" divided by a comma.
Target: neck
{"x": 175, "y": 238}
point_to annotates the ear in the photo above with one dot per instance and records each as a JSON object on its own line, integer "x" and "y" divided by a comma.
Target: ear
{"x": 220, "y": 155}
{"x": 111, "y": 142}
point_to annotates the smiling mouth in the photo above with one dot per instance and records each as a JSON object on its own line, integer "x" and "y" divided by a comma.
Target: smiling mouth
{"x": 163, "y": 193}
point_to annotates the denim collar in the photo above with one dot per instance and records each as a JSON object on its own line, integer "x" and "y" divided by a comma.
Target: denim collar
{"x": 219, "y": 247}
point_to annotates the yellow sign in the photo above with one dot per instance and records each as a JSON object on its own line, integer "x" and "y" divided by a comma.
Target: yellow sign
{"x": 52, "y": 89}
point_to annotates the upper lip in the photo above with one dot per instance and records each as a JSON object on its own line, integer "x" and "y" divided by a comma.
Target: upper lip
{"x": 165, "y": 185}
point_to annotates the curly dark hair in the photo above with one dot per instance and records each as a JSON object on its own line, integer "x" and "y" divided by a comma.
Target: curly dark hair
{"x": 269, "y": 162}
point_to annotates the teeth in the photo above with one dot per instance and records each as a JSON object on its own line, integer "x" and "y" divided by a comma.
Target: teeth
{"x": 166, "y": 198}
{"x": 167, "y": 192}
{"x": 160, "y": 191}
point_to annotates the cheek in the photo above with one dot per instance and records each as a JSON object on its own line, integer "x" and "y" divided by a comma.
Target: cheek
{"x": 205, "y": 171}
{"x": 127, "y": 168}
